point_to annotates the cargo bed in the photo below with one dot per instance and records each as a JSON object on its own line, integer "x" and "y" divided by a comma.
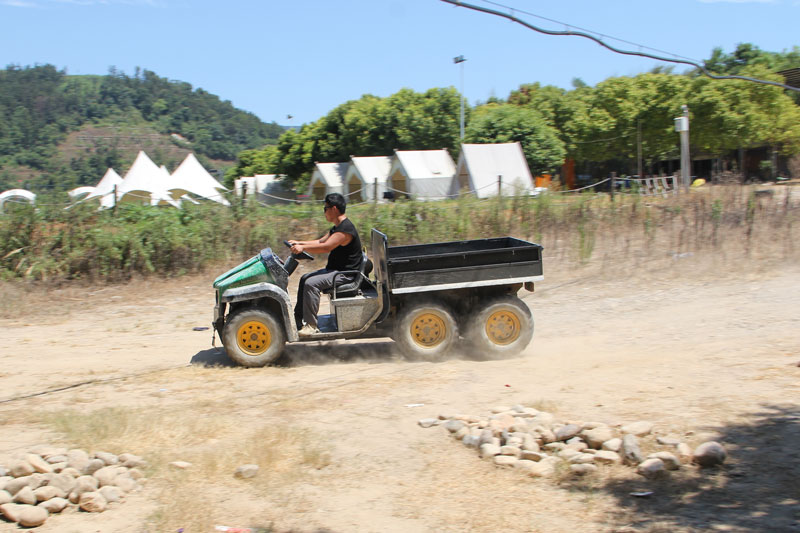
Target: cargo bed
{"x": 456, "y": 264}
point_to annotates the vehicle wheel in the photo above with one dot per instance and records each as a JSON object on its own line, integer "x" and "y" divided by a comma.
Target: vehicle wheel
{"x": 253, "y": 337}
{"x": 501, "y": 328}
{"x": 426, "y": 331}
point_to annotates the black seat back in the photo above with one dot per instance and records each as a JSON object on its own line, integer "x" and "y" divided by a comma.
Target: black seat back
{"x": 355, "y": 280}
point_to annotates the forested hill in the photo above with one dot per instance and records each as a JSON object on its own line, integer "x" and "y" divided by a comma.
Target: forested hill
{"x": 40, "y": 106}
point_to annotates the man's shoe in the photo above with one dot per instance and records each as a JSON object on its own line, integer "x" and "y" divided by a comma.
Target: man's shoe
{"x": 308, "y": 331}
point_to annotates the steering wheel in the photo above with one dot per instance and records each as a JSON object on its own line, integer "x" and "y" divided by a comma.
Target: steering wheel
{"x": 301, "y": 255}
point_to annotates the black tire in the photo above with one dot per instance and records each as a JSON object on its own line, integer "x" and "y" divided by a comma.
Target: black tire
{"x": 501, "y": 328}
{"x": 426, "y": 331}
{"x": 253, "y": 337}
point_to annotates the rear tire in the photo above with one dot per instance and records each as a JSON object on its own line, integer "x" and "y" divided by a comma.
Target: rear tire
{"x": 253, "y": 337}
{"x": 426, "y": 331}
{"x": 502, "y": 328}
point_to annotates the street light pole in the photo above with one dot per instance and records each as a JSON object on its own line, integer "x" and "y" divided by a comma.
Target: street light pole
{"x": 457, "y": 60}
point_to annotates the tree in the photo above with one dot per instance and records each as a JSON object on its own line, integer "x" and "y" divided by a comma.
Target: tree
{"x": 502, "y": 123}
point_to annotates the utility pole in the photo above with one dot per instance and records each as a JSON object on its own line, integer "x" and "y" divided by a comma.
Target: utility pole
{"x": 639, "y": 148}
{"x": 460, "y": 60}
{"x": 682, "y": 127}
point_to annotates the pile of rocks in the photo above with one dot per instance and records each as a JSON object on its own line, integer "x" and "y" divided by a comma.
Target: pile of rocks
{"x": 536, "y": 443}
{"x": 47, "y": 480}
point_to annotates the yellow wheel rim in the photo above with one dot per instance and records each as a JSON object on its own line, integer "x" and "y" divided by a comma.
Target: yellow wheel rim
{"x": 253, "y": 337}
{"x": 428, "y": 330}
{"x": 503, "y": 327}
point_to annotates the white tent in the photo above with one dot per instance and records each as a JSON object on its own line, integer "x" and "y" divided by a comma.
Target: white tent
{"x": 327, "y": 178}
{"x": 16, "y": 195}
{"x": 360, "y": 179}
{"x": 422, "y": 174}
{"x": 105, "y": 189}
{"x": 481, "y": 167}
{"x": 145, "y": 183}
{"x": 191, "y": 177}
{"x": 78, "y": 192}
{"x": 266, "y": 188}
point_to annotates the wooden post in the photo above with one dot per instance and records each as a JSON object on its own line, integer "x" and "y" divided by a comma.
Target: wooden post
{"x": 500, "y": 186}
{"x": 114, "y": 207}
{"x": 375, "y": 192}
{"x": 613, "y": 176}
{"x": 244, "y": 192}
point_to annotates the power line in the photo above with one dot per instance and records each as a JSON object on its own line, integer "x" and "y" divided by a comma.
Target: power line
{"x": 701, "y": 68}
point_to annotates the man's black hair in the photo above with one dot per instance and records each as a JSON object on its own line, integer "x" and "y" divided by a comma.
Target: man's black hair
{"x": 336, "y": 200}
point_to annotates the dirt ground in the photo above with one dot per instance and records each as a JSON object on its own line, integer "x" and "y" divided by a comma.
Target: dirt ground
{"x": 698, "y": 348}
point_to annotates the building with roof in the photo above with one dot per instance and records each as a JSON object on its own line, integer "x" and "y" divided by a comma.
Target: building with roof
{"x": 327, "y": 178}
{"x": 485, "y": 169}
{"x": 422, "y": 174}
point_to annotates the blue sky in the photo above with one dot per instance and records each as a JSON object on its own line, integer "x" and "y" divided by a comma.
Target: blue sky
{"x": 305, "y": 57}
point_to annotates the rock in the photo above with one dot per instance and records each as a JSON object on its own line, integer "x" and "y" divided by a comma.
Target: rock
{"x": 26, "y": 496}
{"x": 511, "y": 450}
{"x": 597, "y": 436}
{"x": 670, "y": 461}
{"x": 56, "y": 505}
{"x": 532, "y": 456}
{"x": 246, "y": 471}
{"x": 60, "y": 467}
{"x": 668, "y": 441}
{"x": 33, "y": 516}
{"x": 77, "y": 459}
{"x": 499, "y": 409}
{"x": 524, "y": 465}
{"x": 639, "y": 429}
{"x": 501, "y": 422}
{"x": 461, "y": 433}
{"x": 582, "y": 458}
{"x": 17, "y": 484}
{"x": 709, "y": 454}
{"x": 4, "y": 480}
{"x": 107, "y": 458}
{"x": 471, "y": 441}
{"x": 612, "y": 445}
{"x": 554, "y": 446}
{"x": 105, "y": 476}
{"x": 48, "y": 492}
{"x": 453, "y": 425}
{"x": 427, "y": 422}
{"x": 545, "y": 468}
{"x": 607, "y": 457}
{"x": 568, "y": 453}
{"x": 529, "y": 443}
{"x": 63, "y": 481}
{"x": 11, "y": 511}
{"x": 125, "y": 483}
{"x": 39, "y": 464}
{"x": 135, "y": 473}
{"x": 684, "y": 452}
{"x": 505, "y": 460}
{"x": 180, "y": 465}
{"x": 3, "y": 472}
{"x": 651, "y": 468}
{"x": 111, "y": 493}
{"x": 5, "y": 497}
{"x": 85, "y": 484}
{"x": 489, "y": 450}
{"x": 55, "y": 459}
{"x": 576, "y": 444}
{"x": 21, "y": 469}
{"x": 543, "y": 419}
{"x": 486, "y": 437}
{"x": 631, "y": 453}
{"x": 583, "y": 469}
{"x": 129, "y": 460}
{"x": 92, "y": 466}
{"x": 567, "y": 432}
{"x": 72, "y": 472}
{"x": 92, "y": 502}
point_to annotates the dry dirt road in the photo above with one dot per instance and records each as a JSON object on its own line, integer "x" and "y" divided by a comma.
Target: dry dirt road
{"x": 698, "y": 355}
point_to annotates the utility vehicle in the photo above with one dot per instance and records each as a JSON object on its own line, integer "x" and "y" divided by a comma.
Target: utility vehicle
{"x": 426, "y": 297}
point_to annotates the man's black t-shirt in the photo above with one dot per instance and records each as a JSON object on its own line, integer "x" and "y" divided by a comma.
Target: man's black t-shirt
{"x": 348, "y": 256}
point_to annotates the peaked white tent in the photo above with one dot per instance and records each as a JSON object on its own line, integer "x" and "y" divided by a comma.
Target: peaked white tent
{"x": 422, "y": 174}
{"x": 78, "y": 192}
{"x": 145, "y": 183}
{"x": 16, "y": 195}
{"x": 105, "y": 189}
{"x": 327, "y": 178}
{"x": 482, "y": 166}
{"x": 190, "y": 177}
{"x": 359, "y": 181}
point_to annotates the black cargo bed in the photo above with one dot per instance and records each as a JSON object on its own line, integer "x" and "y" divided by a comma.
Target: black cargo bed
{"x": 425, "y": 267}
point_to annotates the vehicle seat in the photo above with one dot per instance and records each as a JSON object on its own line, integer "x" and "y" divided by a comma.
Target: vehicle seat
{"x": 348, "y": 289}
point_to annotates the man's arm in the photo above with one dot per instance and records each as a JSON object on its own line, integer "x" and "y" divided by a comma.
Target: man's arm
{"x": 323, "y": 245}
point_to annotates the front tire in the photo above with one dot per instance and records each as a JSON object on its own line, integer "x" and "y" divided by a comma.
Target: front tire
{"x": 426, "y": 331}
{"x": 502, "y": 328}
{"x": 253, "y": 337}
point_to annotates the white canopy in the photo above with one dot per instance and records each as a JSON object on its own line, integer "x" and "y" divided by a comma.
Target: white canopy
{"x": 482, "y": 166}
{"x": 16, "y": 195}
{"x": 191, "y": 177}
{"x": 78, "y": 192}
{"x": 423, "y": 174}
{"x": 362, "y": 174}
{"x": 327, "y": 178}
{"x": 144, "y": 183}
{"x": 105, "y": 189}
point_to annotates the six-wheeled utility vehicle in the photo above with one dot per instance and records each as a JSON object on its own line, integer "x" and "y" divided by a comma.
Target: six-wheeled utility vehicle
{"x": 426, "y": 297}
